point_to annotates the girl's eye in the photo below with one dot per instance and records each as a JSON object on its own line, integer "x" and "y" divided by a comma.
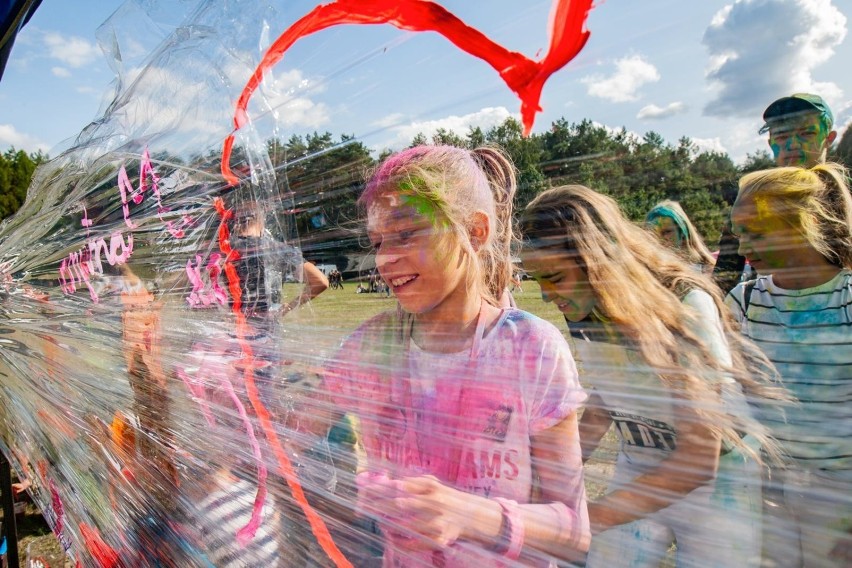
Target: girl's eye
{"x": 405, "y": 235}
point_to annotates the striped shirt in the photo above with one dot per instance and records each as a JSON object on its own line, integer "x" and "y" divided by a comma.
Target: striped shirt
{"x": 807, "y": 334}
{"x": 223, "y": 514}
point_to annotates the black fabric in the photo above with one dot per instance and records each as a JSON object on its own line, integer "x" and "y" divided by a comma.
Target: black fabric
{"x": 729, "y": 264}
{"x": 15, "y": 16}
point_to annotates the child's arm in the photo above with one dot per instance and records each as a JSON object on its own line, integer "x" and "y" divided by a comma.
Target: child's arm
{"x": 692, "y": 464}
{"x": 594, "y": 425}
{"x": 315, "y": 283}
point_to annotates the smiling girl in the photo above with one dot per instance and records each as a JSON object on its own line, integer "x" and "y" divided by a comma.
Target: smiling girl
{"x": 463, "y": 405}
{"x": 652, "y": 337}
{"x": 795, "y": 227}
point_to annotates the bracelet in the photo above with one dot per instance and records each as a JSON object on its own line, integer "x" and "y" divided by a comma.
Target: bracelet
{"x": 511, "y": 538}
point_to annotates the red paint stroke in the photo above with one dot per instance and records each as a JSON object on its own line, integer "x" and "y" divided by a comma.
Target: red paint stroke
{"x": 317, "y": 525}
{"x": 105, "y": 555}
{"x": 522, "y": 75}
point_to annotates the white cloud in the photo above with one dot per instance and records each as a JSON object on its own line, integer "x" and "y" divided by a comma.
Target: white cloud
{"x": 612, "y": 131}
{"x": 284, "y": 94}
{"x": 60, "y": 71}
{"x": 9, "y": 136}
{"x": 622, "y": 86}
{"x": 653, "y": 112}
{"x": 761, "y": 50}
{"x": 174, "y": 100}
{"x": 709, "y": 145}
{"x": 402, "y": 134}
{"x": 70, "y": 50}
{"x": 742, "y": 138}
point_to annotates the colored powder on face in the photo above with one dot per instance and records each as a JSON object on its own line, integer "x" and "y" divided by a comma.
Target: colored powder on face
{"x": 423, "y": 206}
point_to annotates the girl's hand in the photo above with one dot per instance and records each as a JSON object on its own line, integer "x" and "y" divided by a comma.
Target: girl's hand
{"x": 421, "y": 513}
{"x": 433, "y": 512}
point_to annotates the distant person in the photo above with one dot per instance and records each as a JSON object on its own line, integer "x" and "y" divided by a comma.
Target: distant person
{"x": 795, "y": 226}
{"x": 667, "y": 370}
{"x": 670, "y": 222}
{"x": 261, "y": 265}
{"x": 800, "y": 134}
{"x": 338, "y": 279}
{"x": 517, "y": 280}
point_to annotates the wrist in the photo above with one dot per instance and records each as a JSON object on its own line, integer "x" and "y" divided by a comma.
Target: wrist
{"x": 488, "y": 518}
{"x": 510, "y": 542}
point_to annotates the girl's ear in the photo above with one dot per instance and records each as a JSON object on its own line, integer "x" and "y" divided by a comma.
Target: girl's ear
{"x": 479, "y": 231}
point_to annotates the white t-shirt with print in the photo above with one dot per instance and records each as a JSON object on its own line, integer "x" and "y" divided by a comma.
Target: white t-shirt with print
{"x": 468, "y": 419}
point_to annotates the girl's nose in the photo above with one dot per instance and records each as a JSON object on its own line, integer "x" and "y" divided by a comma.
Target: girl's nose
{"x": 385, "y": 257}
{"x": 547, "y": 293}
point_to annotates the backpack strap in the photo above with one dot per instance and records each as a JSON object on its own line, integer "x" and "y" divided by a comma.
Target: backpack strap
{"x": 747, "y": 289}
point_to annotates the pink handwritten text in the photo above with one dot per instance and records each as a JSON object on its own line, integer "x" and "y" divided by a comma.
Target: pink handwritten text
{"x": 204, "y": 295}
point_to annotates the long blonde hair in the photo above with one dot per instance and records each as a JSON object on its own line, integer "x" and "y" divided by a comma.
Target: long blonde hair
{"x": 638, "y": 285}
{"x": 815, "y": 201}
{"x": 451, "y": 185}
{"x": 692, "y": 245}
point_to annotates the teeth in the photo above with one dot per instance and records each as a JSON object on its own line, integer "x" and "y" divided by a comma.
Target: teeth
{"x": 402, "y": 280}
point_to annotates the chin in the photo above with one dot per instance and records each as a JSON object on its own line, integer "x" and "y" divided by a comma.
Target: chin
{"x": 573, "y": 316}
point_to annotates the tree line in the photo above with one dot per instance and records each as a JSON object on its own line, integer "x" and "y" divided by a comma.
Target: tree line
{"x": 324, "y": 175}
{"x": 320, "y": 176}
{"x": 16, "y": 172}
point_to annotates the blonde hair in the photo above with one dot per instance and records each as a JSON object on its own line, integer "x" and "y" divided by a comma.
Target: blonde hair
{"x": 451, "y": 185}
{"x": 638, "y": 285}
{"x": 815, "y": 201}
{"x": 693, "y": 246}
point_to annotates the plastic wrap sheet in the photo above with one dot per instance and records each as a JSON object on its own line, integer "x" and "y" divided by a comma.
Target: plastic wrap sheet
{"x": 172, "y": 402}
{"x": 152, "y": 391}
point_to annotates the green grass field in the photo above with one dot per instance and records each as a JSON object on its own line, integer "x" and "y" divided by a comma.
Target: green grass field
{"x": 343, "y": 310}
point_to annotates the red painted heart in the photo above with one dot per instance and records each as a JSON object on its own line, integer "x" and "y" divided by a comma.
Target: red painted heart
{"x": 524, "y": 76}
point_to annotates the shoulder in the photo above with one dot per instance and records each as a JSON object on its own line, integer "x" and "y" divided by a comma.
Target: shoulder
{"x": 364, "y": 357}
{"x": 739, "y": 299}
{"x": 383, "y": 328}
{"x": 526, "y": 328}
{"x": 700, "y": 300}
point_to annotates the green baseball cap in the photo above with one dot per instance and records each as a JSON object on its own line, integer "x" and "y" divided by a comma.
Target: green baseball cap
{"x": 795, "y": 105}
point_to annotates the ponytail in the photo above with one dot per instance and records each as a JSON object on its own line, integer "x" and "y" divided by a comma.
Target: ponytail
{"x": 497, "y": 257}
{"x": 834, "y": 213}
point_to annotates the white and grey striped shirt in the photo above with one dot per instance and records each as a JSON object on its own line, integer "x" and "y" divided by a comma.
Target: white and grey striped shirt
{"x": 807, "y": 334}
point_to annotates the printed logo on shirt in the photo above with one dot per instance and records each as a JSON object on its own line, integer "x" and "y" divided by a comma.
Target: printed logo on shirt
{"x": 498, "y": 423}
{"x": 490, "y": 464}
{"x": 391, "y": 422}
{"x": 644, "y": 432}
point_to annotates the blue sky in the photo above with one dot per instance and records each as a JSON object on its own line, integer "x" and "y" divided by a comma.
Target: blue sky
{"x": 703, "y": 69}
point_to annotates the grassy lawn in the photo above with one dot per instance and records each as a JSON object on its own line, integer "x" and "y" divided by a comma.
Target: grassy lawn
{"x": 339, "y": 312}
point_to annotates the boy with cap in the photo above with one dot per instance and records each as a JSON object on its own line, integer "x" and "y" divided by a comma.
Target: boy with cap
{"x": 800, "y": 134}
{"x": 800, "y": 130}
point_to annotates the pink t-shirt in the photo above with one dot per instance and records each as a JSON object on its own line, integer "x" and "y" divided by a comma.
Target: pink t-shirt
{"x": 466, "y": 418}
